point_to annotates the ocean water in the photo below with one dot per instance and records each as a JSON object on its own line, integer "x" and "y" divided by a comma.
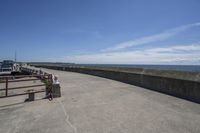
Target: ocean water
{"x": 190, "y": 68}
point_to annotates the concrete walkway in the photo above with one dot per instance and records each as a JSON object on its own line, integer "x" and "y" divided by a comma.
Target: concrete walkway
{"x": 92, "y": 104}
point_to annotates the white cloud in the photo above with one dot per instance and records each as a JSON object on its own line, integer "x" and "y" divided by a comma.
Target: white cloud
{"x": 178, "y": 48}
{"x": 181, "y": 54}
{"x": 153, "y": 38}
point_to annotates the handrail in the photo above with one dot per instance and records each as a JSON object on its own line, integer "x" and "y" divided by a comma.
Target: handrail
{"x": 23, "y": 76}
{"x": 39, "y": 91}
{"x": 22, "y": 87}
{"x": 36, "y": 77}
{"x": 47, "y": 79}
{"x": 3, "y": 81}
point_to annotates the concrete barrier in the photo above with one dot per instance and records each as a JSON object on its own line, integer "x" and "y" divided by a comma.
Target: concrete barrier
{"x": 180, "y": 84}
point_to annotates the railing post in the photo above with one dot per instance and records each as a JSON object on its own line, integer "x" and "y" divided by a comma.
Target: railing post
{"x": 55, "y": 87}
{"x": 51, "y": 79}
{"x": 6, "y": 86}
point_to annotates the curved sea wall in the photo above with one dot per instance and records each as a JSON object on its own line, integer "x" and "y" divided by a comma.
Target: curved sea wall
{"x": 184, "y": 85}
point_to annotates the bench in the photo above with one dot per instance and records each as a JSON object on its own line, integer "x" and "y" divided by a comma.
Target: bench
{"x": 31, "y": 94}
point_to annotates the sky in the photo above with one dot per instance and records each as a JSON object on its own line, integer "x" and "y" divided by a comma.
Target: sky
{"x": 101, "y": 31}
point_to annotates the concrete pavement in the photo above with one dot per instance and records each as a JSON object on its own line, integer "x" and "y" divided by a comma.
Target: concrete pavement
{"x": 92, "y": 104}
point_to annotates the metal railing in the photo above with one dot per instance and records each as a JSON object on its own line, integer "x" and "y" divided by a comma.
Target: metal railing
{"x": 45, "y": 79}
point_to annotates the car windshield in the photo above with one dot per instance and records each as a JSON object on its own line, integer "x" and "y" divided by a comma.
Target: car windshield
{"x": 7, "y": 64}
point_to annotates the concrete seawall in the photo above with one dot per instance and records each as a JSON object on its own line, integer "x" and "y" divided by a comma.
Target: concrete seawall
{"x": 184, "y": 85}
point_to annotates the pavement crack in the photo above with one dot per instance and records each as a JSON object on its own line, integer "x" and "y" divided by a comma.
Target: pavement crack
{"x": 67, "y": 117}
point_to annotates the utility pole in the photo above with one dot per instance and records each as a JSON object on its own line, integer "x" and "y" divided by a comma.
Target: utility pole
{"x": 15, "y": 56}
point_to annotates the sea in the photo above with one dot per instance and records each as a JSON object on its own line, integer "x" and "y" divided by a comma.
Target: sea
{"x": 187, "y": 68}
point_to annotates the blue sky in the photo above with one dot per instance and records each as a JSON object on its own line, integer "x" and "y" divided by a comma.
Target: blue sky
{"x": 101, "y": 31}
